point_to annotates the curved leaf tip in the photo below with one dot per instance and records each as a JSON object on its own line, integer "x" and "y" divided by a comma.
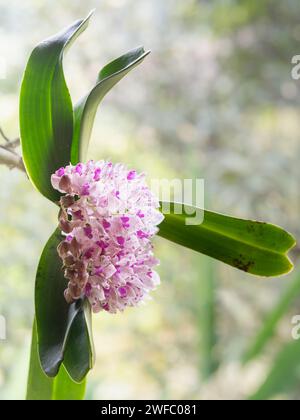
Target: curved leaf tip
{"x": 85, "y": 110}
{"x": 122, "y": 63}
{"x": 46, "y": 110}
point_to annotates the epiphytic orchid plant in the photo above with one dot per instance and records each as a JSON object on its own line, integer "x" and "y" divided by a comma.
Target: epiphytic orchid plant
{"x": 100, "y": 257}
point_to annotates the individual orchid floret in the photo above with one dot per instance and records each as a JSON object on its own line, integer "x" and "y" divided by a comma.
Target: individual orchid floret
{"x": 108, "y": 218}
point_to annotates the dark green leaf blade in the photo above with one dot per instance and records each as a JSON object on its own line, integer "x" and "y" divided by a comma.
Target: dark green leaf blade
{"x": 79, "y": 354}
{"x": 46, "y": 111}
{"x": 64, "y": 331}
{"x": 53, "y": 315}
{"x": 85, "y": 110}
{"x": 255, "y": 247}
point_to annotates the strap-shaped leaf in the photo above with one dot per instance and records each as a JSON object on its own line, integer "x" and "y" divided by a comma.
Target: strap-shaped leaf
{"x": 255, "y": 247}
{"x": 85, "y": 110}
{"x": 79, "y": 354}
{"x": 53, "y": 315}
{"x": 46, "y": 112}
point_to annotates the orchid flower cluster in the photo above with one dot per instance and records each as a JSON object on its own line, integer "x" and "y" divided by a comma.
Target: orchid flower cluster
{"x": 108, "y": 218}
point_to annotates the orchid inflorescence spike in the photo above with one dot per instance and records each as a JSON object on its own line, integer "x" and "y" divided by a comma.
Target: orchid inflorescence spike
{"x": 108, "y": 218}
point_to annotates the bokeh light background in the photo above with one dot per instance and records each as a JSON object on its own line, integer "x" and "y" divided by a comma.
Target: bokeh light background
{"x": 214, "y": 100}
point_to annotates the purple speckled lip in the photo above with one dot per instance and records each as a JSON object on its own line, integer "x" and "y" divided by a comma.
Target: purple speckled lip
{"x": 60, "y": 172}
{"x": 106, "y": 224}
{"x": 121, "y": 240}
{"x": 85, "y": 189}
{"x": 122, "y": 291}
{"x": 79, "y": 168}
{"x": 131, "y": 175}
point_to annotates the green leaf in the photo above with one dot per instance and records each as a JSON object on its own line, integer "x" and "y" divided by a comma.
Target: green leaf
{"x": 41, "y": 387}
{"x": 272, "y": 320}
{"x": 85, "y": 110}
{"x": 46, "y": 111}
{"x": 64, "y": 388}
{"x": 79, "y": 354}
{"x": 283, "y": 375}
{"x": 255, "y": 247}
{"x": 53, "y": 315}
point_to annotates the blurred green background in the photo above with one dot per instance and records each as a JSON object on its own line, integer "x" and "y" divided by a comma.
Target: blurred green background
{"x": 215, "y": 100}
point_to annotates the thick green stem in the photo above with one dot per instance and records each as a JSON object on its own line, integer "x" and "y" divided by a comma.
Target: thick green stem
{"x": 40, "y": 387}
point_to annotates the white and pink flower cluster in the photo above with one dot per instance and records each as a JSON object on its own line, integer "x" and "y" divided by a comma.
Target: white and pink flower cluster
{"x": 108, "y": 217}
